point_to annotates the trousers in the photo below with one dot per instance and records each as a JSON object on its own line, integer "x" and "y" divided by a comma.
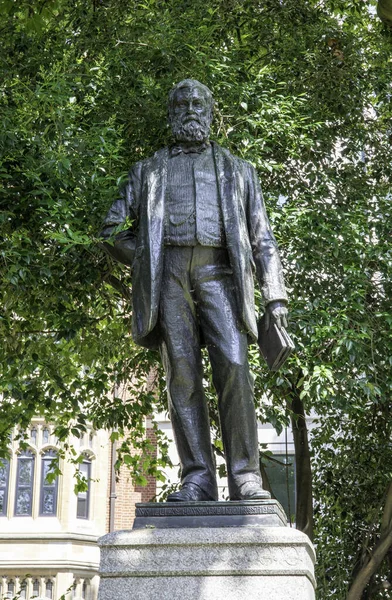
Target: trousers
{"x": 198, "y": 302}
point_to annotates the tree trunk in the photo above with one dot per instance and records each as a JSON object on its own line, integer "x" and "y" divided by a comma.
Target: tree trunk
{"x": 386, "y": 521}
{"x": 384, "y": 11}
{"x": 304, "y": 509}
{"x": 379, "y": 552}
{"x": 265, "y": 480}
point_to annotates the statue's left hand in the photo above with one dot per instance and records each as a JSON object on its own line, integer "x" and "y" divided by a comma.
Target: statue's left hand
{"x": 276, "y": 312}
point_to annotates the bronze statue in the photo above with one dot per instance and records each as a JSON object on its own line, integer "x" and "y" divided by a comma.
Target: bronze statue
{"x": 198, "y": 233}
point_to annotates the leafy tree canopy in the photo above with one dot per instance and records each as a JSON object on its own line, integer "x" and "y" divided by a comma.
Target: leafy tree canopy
{"x": 303, "y": 91}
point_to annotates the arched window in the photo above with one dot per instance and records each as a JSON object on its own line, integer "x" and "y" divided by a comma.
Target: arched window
{"x": 10, "y": 589}
{"x": 35, "y": 588}
{"x": 24, "y": 484}
{"x": 33, "y": 435}
{"x": 45, "y": 435}
{"x": 83, "y": 502}
{"x": 49, "y": 486}
{"x": 4, "y": 478}
{"x": 49, "y": 589}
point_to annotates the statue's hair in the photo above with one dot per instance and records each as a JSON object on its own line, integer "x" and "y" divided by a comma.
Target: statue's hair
{"x": 190, "y": 83}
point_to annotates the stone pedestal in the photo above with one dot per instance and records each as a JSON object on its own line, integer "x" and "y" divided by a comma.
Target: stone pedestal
{"x": 252, "y": 560}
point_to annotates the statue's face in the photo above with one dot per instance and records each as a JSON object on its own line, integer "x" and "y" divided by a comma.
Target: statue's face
{"x": 190, "y": 115}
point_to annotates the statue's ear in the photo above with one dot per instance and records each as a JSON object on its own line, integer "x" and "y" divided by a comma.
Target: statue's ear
{"x": 212, "y": 110}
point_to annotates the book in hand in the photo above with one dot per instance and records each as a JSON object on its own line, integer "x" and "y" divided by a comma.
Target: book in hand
{"x": 275, "y": 344}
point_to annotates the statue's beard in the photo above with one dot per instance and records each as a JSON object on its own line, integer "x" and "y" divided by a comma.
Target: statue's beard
{"x": 196, "y": 130}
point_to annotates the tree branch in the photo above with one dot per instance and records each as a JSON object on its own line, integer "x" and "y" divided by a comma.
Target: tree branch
{"x": 378, "y": 553}
{"x": 304, "y": 509}
{"x": 386, "y": 521}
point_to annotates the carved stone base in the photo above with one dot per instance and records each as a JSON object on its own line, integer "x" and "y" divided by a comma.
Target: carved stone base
{"x": 220, "y": 563}
{"x": 255, "y": 513}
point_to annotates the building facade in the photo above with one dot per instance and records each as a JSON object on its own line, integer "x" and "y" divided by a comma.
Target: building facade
{"x": 48, "y": 534}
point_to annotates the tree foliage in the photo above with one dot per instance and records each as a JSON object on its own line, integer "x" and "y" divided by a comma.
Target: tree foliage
{"x": 303, "y": 91}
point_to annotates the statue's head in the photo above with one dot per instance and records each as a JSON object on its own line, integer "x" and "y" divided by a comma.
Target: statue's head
{"x": 190, "y": 111}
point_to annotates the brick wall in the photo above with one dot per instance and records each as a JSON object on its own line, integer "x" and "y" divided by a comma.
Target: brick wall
{"x": 125, "y": 502}
{"x": 127, "y": 495}
{"x": 149, "y": 491}
{"x": 108, "y": 488}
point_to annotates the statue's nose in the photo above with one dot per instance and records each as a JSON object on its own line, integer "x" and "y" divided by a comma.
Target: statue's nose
{"x": 190, "y": 108}
{"x": 190, "y": 113}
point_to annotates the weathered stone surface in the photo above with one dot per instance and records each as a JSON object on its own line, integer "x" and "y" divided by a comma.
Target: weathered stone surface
{"x": 211, "y": 588}
{"x": 207, "y": 564}
{"x": 262, "y": 513}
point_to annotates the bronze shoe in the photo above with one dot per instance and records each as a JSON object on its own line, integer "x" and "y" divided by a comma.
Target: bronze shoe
{"x": 190, "y": 492}
{"x": 250, "y": 490}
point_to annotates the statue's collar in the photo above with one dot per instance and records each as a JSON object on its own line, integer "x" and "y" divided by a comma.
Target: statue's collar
{"x": 197, "y": 148}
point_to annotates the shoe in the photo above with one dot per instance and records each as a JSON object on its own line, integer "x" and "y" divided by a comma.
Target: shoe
{"x": 190, "y": 492}
{"x": 250, "y": 490}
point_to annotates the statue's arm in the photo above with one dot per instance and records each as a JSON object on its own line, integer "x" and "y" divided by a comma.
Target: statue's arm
{"x": 265, "y": 251}
{"x": 121, "y": 245}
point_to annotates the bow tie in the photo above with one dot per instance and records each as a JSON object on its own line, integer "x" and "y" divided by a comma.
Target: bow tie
{"x": 186, "y": 149}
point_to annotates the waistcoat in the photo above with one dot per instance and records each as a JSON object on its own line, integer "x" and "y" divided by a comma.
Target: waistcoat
{"x": 192, "y": 209}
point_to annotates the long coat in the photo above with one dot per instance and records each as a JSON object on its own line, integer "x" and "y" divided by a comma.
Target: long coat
{"x": 250, "y": 242}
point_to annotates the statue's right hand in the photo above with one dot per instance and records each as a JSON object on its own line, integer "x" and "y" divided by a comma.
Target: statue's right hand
{"x": 276, "y": 312}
